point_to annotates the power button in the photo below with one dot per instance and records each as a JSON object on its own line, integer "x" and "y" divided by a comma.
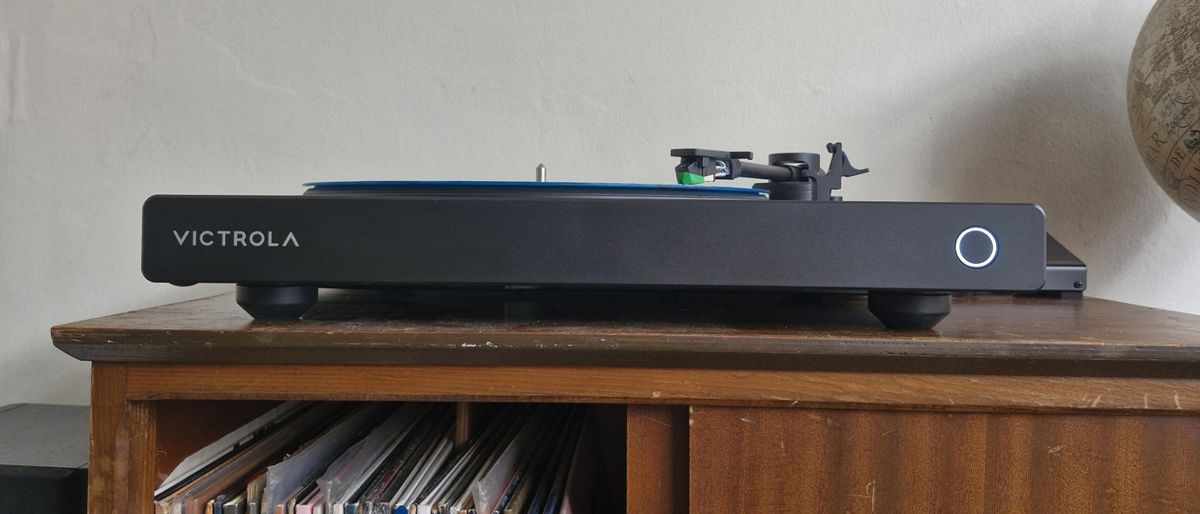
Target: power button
{"x": 975, "y": 247}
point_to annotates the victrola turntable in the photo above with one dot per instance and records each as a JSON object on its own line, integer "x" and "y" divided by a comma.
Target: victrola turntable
{"x": 788, "y": 233}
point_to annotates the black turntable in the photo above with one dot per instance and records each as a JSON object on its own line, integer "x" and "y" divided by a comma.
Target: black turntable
{"x": 788, "y": 233}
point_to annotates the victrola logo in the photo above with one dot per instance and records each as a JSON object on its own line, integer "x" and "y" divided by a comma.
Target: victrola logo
{"x": 254, "y": 238}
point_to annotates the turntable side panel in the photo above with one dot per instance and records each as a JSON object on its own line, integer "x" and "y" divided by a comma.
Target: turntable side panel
{"x": 857, "y": 461}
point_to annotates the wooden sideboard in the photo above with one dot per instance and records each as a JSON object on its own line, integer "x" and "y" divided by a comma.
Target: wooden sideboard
{"x": 721, "y": 403}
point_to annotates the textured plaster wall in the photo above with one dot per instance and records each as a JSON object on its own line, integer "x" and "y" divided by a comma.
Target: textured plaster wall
{"x": 103, "y": 104}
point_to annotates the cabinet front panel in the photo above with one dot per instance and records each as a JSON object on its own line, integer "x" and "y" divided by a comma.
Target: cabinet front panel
{"x": 860, "y": 461}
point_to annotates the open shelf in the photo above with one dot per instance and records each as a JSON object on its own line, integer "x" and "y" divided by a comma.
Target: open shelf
{"x": 183, "y": 427}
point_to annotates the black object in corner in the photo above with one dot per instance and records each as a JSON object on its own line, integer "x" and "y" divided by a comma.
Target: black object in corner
{"x": 43, "y": 458}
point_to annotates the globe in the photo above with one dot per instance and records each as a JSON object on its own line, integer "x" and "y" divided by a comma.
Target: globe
{"x": 1163, "y": 95}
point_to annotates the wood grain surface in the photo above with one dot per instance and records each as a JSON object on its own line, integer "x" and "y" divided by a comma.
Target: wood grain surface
{"x": 807, "y": 405}
{"x": 121, "y": 453}
{"x": 813, "y": 460}
{"x": 657, "y": 459}
{"x": 663, "y": 386}
{"x": 108, "y": 450}
{"x": 992, "y": 334}
{"x": 142, "y": 442}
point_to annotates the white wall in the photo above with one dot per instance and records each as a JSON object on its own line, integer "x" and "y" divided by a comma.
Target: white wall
{"x": 103, "y": 104}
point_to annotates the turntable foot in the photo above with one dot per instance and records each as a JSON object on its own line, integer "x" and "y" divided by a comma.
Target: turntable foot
{"x": 276, "y": 302}
{"x": 909, "y": 310}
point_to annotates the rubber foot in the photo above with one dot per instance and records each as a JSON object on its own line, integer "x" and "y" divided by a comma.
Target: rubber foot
{"x": 276, "y": 302}
{"x": 909, "y": 310}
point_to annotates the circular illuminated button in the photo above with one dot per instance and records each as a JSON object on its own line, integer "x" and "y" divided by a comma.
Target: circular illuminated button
{"x": 975, "y": 247}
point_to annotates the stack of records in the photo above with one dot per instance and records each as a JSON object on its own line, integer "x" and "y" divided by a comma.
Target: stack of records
{"x": 384, "y": 458}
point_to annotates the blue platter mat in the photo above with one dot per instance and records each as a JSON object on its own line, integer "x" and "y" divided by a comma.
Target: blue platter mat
{"x": 516, "y": 188}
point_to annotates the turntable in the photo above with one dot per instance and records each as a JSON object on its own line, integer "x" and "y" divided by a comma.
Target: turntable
{"x": 789, "y": 233}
